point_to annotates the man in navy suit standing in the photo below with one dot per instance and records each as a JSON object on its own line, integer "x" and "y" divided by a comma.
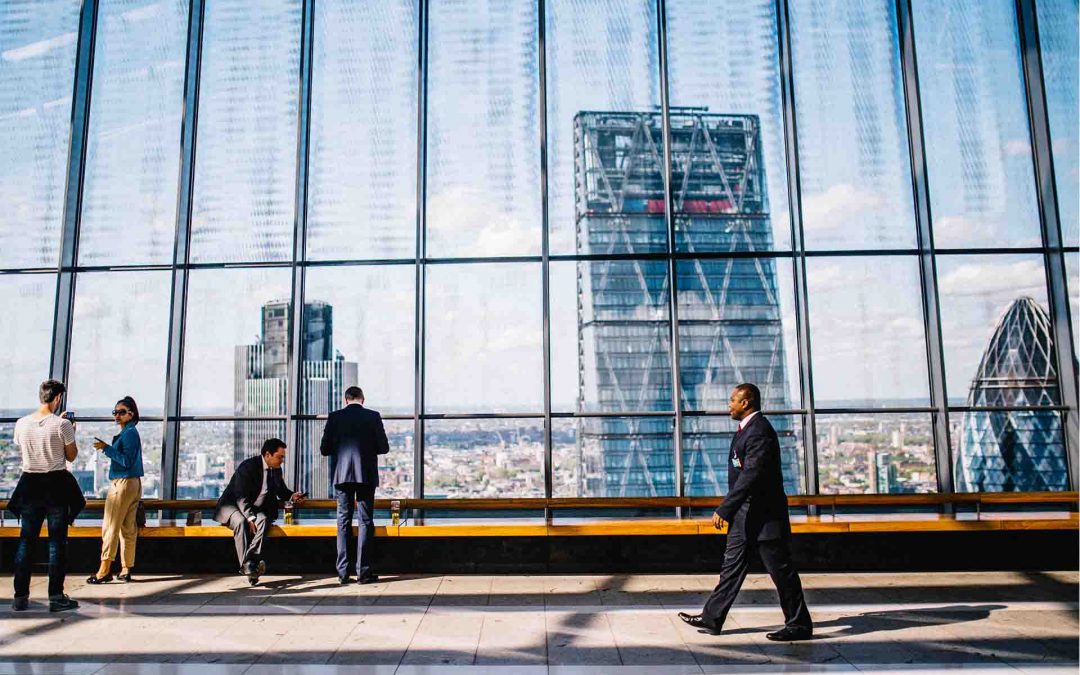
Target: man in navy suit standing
{"x": 755, "y": 509}
{"x": 353, "y": 440}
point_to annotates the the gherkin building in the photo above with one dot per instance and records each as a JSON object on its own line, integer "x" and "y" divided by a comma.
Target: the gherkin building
{"x": 1014, "y": 450}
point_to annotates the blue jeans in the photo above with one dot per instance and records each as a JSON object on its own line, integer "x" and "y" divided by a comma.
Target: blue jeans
{"x": 32, "y": 518}
{"x": 348, "y": 496}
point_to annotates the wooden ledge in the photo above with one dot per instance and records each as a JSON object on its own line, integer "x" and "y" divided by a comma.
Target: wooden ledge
{"x": 627, "y": 527}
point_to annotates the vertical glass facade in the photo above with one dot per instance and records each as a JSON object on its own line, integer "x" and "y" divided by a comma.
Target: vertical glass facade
{"x": 557, "y": 229}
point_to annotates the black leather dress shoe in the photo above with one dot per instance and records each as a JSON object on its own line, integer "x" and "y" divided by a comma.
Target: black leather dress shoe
{"x": 699, "y": 622}
{"x": 343, "y": 579}
{"x": 95, "y": 579}
{"x": 368, "y": 579}
{"x": 791, "y": 634}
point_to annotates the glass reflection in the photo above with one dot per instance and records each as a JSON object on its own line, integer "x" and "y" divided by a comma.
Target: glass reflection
{"x": 25, "y": 359}
{"x": 245, "y": 166}
{"x": 613, "y": 457}
{"x": 866, "y": 332}
{"x": 483, "y": 170}
{"x": 599, "y": 57}
{"x": 723, "y": 59}
{"x": 483, "y": 338}
{"x": 1058, "y": 27}
{"x": 37, "y": 72}
{"x": 853, "y": 144}
{"x": 133, "y": 145}
{"x": 362, "y": 180}
{"x": 119, "y": 340}
{"x": 978, "y": 147}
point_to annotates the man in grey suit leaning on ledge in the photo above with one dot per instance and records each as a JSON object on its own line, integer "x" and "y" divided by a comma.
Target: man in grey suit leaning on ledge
{"x": 756, "y": 511}
{"x": 353, "y": 440}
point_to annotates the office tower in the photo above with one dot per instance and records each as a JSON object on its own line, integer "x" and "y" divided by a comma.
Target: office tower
{"x": 1014, "y": 450}
{"x": 730, "y": 322}
{"x": 261, "y": 387}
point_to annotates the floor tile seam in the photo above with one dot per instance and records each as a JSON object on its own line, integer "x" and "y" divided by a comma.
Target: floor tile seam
{"x": 416, "y": 628}
{"x": 690, "y": 649}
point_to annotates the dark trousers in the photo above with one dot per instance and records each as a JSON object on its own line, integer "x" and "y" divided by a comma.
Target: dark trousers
{"x": 248, "y": 545}
{"x": 32, "y": 518}
{"x": 776, "y": 555}
{"x": 349, "y": 496}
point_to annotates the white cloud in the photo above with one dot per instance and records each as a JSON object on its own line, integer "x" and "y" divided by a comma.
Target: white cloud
{"x": 462, "y": 220}
{"x": 1017, "y": 148}
{"x": 836, "y": 207}
{"x": 38, "y": 48}
{"x": 1023, "y": 277}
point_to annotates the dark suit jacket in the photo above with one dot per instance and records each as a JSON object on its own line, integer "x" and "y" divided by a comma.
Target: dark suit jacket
{"x": 353, "y": 440}
{"x": 757, "y": 481}
{"x": 244, "y": 488}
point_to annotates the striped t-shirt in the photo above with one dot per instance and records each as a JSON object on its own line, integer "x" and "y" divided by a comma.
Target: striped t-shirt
{"x": 41, "y": 441}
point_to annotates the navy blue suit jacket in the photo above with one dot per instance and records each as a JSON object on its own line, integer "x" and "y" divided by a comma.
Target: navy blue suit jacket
{"x": 755, "y": 479}
{"x": 353, "y": 439}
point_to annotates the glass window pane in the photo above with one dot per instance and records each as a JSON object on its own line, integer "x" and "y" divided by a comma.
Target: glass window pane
{"x": 1058, "y": 21}
{"x": 867, "y": 337}
{"x": 210, "y": 451}
{"x": 610, "y": 336}
{"x": 395, "y": 467}
{"x": 724, "y": 57}
{"x": 362, "y": 180}
{"x": 10, "y": 460}
{"x": 995, "y": 322}
{"x": 707, "y": 447}
{"x": 613, "y": 457}
{"x": 483, "y": 171}
{"x": 1072, "y": 281}
{"x": 483, "y": 338}
{"x": 237, "y": 322}
{"x": 37, "y": 71}
{"x": 91, "y": 468}
{"x": 484, "y": 458}
{"x": 28, "y": 341}
{"x": 861, "y": 453}
{"x": 604, "y": 169}
{"x": 133, "y": 145}
{"x": 245, "y": 167}
{"x": 362, "y": 322}
{"x": 853, "y": 143}
{"x": 1013, "y": 451}
{"x": 119, "y": 341}
{"x": 978, "y": 147}
{"x": 737, "y": 324}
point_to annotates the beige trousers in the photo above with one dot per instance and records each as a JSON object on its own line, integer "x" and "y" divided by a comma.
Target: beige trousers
{"x": 119, "y": 526}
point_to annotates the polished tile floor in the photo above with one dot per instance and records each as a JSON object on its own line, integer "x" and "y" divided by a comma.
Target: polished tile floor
{"x": 509, "y": 625}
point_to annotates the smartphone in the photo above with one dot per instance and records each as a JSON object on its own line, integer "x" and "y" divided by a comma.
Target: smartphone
{"x": 99, "y": 440}
{"x": 70, "y": 414}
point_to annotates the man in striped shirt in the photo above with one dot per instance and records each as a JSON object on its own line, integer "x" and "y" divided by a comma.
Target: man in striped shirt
{"x": 47, "y": 443}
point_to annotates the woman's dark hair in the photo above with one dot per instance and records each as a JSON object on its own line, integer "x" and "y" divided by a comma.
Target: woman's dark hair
{"x": 130, "y": 404}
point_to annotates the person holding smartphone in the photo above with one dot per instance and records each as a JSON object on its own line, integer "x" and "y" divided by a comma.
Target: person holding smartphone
{"x": 125, "y": 491}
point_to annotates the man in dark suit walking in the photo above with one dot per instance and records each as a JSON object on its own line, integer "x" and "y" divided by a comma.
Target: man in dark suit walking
{"x": 755, "y": 509}
{"x": 353, "y": 440}
{"x": 250, "y": 503}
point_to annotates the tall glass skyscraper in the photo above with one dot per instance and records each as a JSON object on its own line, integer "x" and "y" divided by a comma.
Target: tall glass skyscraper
{"x": 1014, "y": 450}
{"x": 261, "y": 385}
{"x": 730, "y": 322}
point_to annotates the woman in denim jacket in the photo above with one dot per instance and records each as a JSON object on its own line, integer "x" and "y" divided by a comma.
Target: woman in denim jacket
{"x": 125, "y": 491}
